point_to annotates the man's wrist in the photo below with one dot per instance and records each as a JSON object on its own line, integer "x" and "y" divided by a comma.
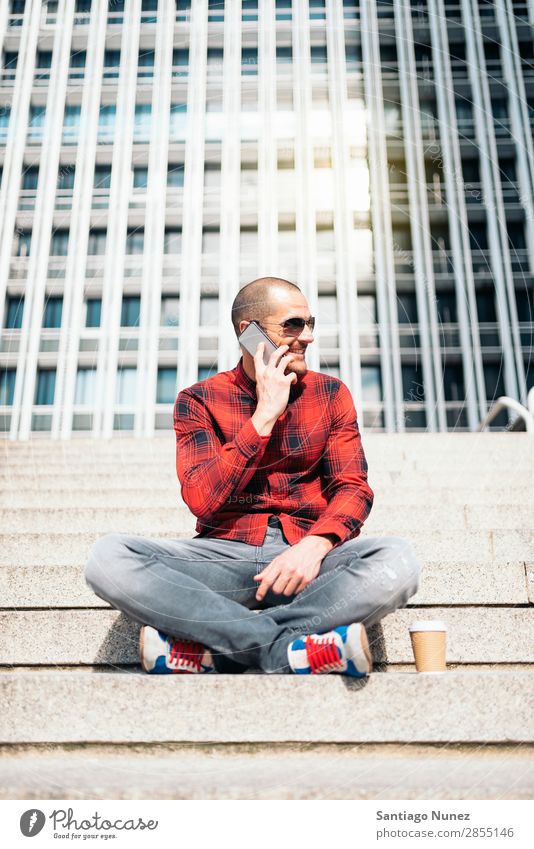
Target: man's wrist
{"x": 324, "y": 542}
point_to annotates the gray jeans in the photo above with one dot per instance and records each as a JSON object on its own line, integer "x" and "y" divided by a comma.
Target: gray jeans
{"x": 202, "y": 589}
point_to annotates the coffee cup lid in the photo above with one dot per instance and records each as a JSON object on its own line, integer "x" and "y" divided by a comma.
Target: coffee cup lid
{"x": 428, "y": 625}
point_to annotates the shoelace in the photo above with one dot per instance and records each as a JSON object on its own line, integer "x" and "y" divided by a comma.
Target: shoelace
{"x": 323, "y": 654}
{"x": 187, "y": 653}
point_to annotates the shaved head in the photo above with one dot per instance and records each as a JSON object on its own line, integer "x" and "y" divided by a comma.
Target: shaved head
{"x": 257, "y": 299}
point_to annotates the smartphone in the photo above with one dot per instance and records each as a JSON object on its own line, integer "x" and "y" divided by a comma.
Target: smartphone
{"x": 251, "y": 336}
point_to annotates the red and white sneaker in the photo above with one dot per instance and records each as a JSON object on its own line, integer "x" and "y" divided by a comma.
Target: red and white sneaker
{"x": 344, "y": 650}
{"x": 163, "y": 655}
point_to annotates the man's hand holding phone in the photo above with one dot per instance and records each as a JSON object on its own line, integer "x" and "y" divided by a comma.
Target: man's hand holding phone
{"x": 272, "y": 387}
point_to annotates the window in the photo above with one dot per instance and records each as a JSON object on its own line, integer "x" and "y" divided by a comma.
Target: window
{"x": 93, "y": 312}
{"x": 249, "y": 60}
{"x": 478, "y": 236}
{"x": 353, "y": 55}
{"x": 59, "y": 243}
{"x": 96, "y": 245}
{"x": 112, "y": 59}
{"x": 85, "y": 386}
{"x": 102, "y": 177}
{"x": 250, "y": 10}
{"x": 325, "y": 239}
{"x": 135, "y": 240}
{"x": 412, "y": 383}
{"x": 130, "y": 311}
{"x": 36, "y": 121}
{"x": 210, "y": 241}
{"x": 249, "y": 240}
{"x": 318, "y": 54}
{"x": 106, "y": 122}
{"x": 407, "y": 308}
{"x": 317, "y": 10}
{"x": 78, "y": 60}
{"x": 166, "y": 386}
{"x": 71, "y": 124}
{"x": 142, "y": 119}
{"x": 14, "y": 310}
{"x": 126, "y": 387}
{"x": 371, "y": 384}
{"x": 145, "y": 61}
{"x": 212, "y": 175}
{"x": 446, "y": 306}
{"x": 30, "y": 178}
{"x": 206, "y": 371}
{"x": 5, "y": 114}
{"x": 209, "y": 311}
{"x": 175, "y": 174}
{"x": 52, "y": 312}
{"x": 44, "y": 59}
{"x": 215, "y": 5}
{"x": 453, "y": 382}
{"x": 170, "y": 311}
{"x": 83, "y": 5}
{"x": 7, "y": 386}
{"x": 215, "y": 58}
{"x": 284, "y": 55}
{"x": 65, "y": 176}
{"x": 327, "y": 308}
{"x": 486, "y": 311}
{"x": 283, "y": 10}
{"x": 173, "y": 240}
{"x": 149, "y": 6}
{"x": 180, "y": 60}
{"x": 140, "y": 178}
{"x": 10, "y": 60}
{"x": 45, "y": 386}
{"x": 177, "y": 122}
{"x": 23, "y": 243}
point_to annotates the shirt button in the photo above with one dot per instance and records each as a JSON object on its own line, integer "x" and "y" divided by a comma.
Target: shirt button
{"x": 254, "y": 446}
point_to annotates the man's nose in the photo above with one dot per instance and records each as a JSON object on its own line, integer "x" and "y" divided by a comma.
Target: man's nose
{"x": 306, "y": 335}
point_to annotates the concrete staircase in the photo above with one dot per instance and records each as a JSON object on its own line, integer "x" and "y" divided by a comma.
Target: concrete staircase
{"x": 79, "y": 719}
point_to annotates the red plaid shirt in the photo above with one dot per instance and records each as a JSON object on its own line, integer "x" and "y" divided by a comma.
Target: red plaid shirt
{"x": 310, "y": 471}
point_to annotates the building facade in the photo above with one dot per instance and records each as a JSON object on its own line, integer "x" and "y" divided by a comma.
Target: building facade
{"x": 156, "y": 155}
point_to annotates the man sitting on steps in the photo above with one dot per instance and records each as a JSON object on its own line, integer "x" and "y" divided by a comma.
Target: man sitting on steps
{"x": 270, "y": 460}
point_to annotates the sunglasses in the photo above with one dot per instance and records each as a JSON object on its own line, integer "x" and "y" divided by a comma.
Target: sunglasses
{"x": 295, "y": 326}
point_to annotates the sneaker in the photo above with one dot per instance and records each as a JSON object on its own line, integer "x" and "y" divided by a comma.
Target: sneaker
{"x": 163, "y": 655}
{"x": 344, "y": 650}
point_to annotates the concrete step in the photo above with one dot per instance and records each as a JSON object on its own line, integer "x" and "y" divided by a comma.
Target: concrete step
{"x": 131, "y": 707}
{"x": 169, "y": 496}
{"x": 106, "y": 636}
{"x": 165, "y": 443}
{"x": 154, "y": 520}
{"x": 244, "y": 771}
{"x": 442, "y": 582}
{"x": 57, "y": 549}
{"x": 133, "y": 478}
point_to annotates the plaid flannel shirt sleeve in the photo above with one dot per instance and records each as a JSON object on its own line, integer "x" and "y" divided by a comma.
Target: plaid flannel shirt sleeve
{"x": 209, "y": 472}
{"x": 344, "y": 468}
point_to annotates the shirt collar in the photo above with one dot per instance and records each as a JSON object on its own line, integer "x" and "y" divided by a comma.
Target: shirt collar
{"x": 245, "y": 382}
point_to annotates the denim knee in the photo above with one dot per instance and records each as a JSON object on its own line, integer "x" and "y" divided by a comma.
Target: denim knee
{"x": 403, "y": 560}
{"x": 101, "y": 555}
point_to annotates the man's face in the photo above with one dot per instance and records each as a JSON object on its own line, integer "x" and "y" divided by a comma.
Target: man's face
{"x": 286, "y": 305}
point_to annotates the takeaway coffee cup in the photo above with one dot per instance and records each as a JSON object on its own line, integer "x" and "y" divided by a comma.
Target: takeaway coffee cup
{"x": 428, "y": 642}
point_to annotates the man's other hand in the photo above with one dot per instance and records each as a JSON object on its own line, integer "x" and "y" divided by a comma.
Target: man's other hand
{"x": 290, "y": 572}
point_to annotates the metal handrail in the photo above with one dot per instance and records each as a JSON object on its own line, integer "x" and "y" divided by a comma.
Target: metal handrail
{"x": 505, "y": 403}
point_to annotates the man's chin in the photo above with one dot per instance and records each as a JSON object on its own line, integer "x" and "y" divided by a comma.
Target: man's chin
{"x": 299, "y": 368}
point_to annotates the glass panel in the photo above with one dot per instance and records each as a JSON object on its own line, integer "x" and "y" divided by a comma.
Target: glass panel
{"x": 130, "y": 311}
{"x": 126, "y": 388}
{"x": 170, "y": 311}
{"x": 7, "y": 386}
{"x": 14, "y": 311}
{"x": 93, "y": 312}
{"x": 85, "y": 386}
{"x": 52, "y": 312}
{"x": 45, "y": 386}
{"x": 166, "y": 387}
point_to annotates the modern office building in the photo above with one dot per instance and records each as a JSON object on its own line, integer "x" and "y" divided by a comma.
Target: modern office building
{"x": 157, "y": 155}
